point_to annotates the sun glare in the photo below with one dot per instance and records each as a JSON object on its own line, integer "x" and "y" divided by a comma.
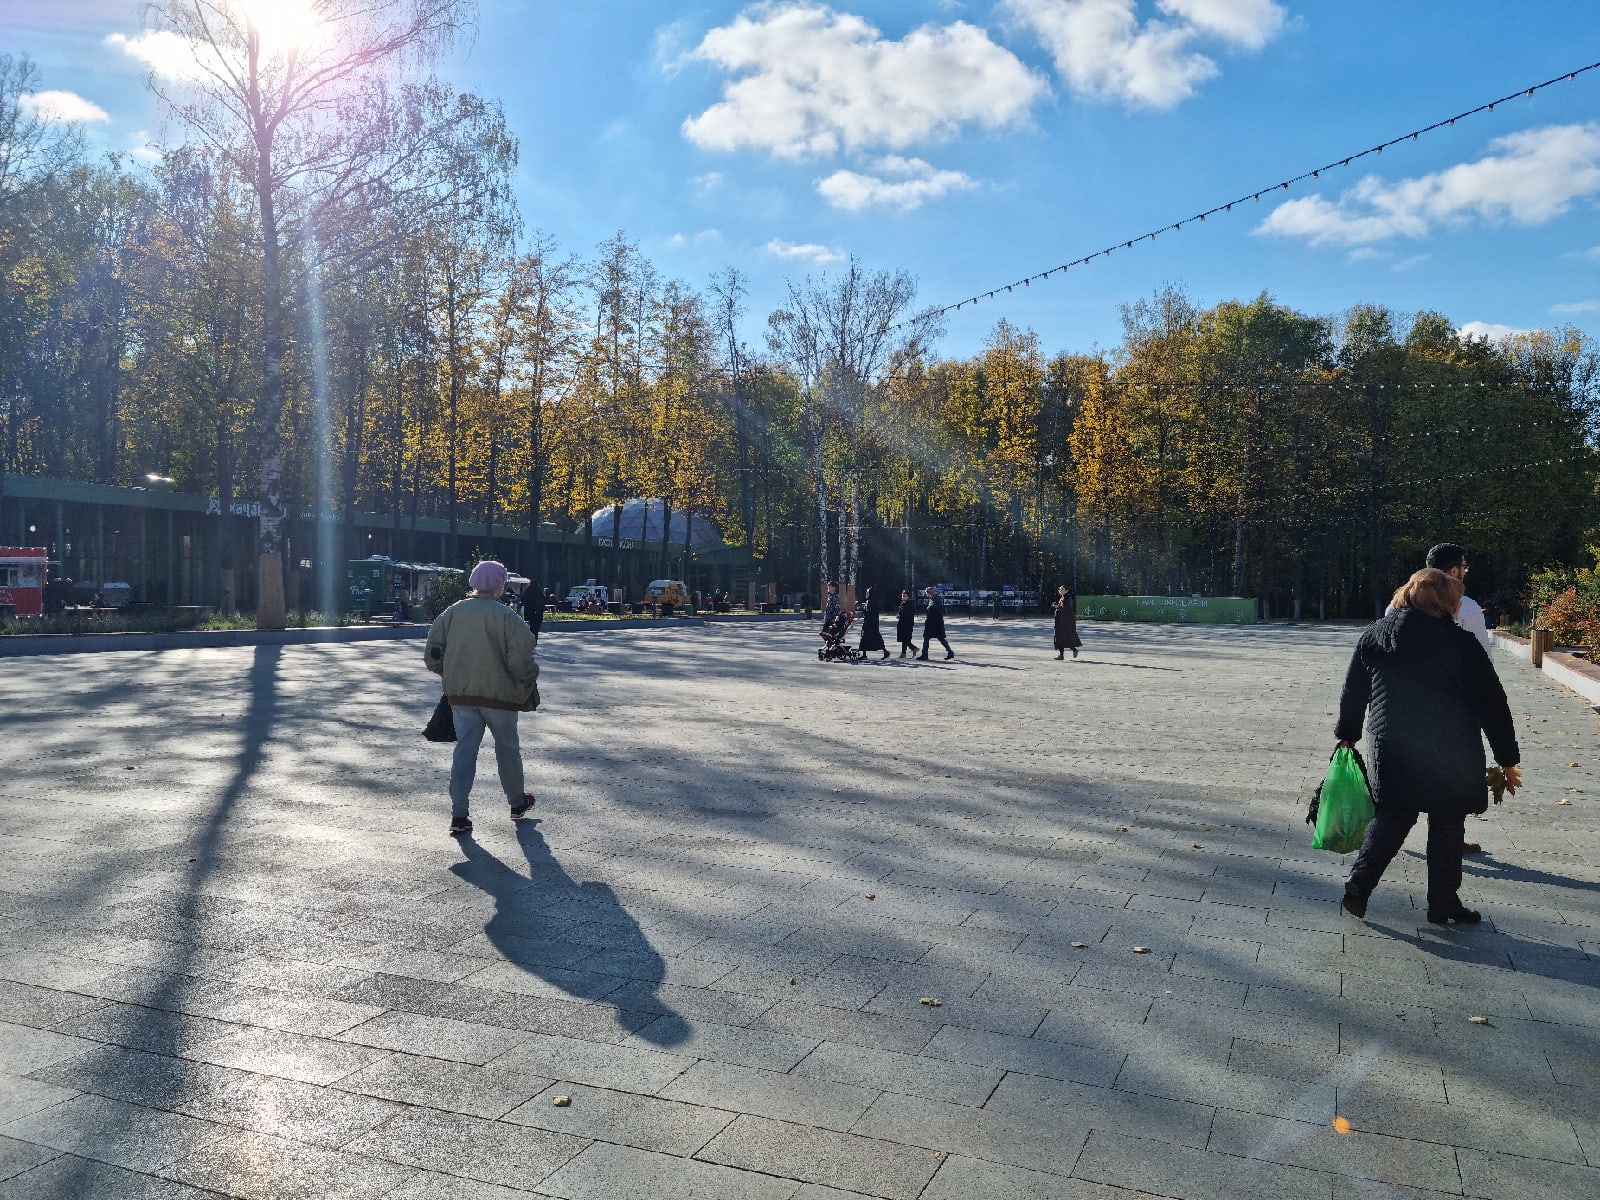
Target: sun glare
{"x": 282, "y": 25}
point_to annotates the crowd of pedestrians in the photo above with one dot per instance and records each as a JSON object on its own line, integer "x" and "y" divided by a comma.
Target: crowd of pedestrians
{"x": 1420, "y": 686}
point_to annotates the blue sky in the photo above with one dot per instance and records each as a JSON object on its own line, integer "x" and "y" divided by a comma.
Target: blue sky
{"x": 975, "y": 143}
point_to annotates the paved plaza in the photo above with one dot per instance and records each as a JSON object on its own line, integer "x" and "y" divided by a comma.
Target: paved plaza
{"x": 1003, "y": 927}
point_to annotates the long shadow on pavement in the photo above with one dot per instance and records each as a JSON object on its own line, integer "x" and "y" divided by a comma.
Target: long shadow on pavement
{"x": 522, "y": 930}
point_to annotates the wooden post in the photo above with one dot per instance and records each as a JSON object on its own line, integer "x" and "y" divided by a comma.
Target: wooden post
{"x": 1539, "y": 644}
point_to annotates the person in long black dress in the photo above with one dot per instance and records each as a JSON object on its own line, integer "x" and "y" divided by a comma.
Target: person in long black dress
{"x": 1425, "y": 688}
{"x": 905, "y": 625}
{"x": 871, "y": 635}
{"x": 1066, "y": 610}
{"x": 933, "y": 624}
{"x": 533, "y": 608}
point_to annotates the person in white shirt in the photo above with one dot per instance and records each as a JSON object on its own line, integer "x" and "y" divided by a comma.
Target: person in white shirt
{"x": 1452, "y": 560}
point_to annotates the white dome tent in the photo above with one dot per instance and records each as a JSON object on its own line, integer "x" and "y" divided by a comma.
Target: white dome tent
{"x": 642, "y": 524}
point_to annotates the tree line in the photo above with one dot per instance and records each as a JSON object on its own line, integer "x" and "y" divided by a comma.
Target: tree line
{"x": 354, "y": 317}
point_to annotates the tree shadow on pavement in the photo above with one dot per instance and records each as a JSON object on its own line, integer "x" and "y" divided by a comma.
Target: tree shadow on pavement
{"x": 532, "y": 914}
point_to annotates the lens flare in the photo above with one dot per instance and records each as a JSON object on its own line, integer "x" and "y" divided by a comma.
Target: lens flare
{"x": 284, "y": 26}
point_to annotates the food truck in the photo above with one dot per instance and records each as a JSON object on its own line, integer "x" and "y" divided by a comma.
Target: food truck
{"x": 22, "y": 581}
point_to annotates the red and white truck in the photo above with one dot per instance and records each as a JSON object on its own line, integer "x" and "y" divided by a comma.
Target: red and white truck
{"x": 22, "y": 570}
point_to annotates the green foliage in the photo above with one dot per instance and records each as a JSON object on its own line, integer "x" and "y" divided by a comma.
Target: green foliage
{"x": 448, "y": 587}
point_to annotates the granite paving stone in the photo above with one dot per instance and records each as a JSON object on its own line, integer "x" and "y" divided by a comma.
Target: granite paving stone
{"x": 987, "y": 1134}
{"x": 644, "y": 1122}
{"x": 435, "y": 1037}
{"x": 782, "y": 1097}
{"x": 18, "y": 1156}
{"x": 1382, "y": 1157}
{"x": 1143, "y": 1164}
{"x": 84, "y": 1179}
{"x": 725, "y": 1043}
{"x": 111, "y": 1131}
{"x": 476, "y": 1091}
{"x": 606, "y": 1172}
{"x": 911, "y": 1074}
{"x": 961, "y": 1178}
{"x": 288, "y": 1055}
{"x": 257, "y": 1167}
{"x": 20, "y": 1096}
{"x": 841, "y": 1160}
{"x": 236, "y": 971}
{"x": 490, "y": 1151}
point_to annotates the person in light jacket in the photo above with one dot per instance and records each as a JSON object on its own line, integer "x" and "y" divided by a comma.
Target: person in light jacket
{"x": 485, "y": 652}
{"x": 1425, "y": 689}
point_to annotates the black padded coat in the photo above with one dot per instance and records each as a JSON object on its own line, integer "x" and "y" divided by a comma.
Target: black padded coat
{"x": 905, "y": 620}
{"x": 1427, "y": 688}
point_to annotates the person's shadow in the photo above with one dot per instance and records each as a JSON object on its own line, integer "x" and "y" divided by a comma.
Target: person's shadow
{"x": 532, "y": 913}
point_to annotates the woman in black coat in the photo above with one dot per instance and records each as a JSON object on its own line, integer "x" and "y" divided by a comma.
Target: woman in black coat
{"x": 1066, "y": 610}
{"x": 933, "y": 623}
{"x": 1427, "y": 688}
{"x": 905, "y": 624}
{"x": 871, "y": 635}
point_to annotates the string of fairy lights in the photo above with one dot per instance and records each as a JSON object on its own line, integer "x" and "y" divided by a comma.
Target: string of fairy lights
{"x": 1252, "y": 196}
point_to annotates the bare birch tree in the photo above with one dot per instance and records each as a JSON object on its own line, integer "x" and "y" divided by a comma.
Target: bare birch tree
{"x": 325, "y": 107}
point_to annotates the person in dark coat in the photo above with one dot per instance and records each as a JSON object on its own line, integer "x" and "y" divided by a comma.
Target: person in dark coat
{"x": 933, "y": 624}
{"x": 905, "y": 624}
{"x": 533, "y": 609}
{"x": 830, "y": 611}
{"x": 871, "y": 635}
{"x": 1426, "y": 687}
{"x": 1066, "y": 610}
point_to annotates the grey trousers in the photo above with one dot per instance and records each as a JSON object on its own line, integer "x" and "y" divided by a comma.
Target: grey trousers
{"x": 1387, "y": 834}
{"x": 470, "y": 722}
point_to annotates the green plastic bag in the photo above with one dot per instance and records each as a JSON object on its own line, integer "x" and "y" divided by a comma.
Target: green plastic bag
{"x": 1344, "y": 804}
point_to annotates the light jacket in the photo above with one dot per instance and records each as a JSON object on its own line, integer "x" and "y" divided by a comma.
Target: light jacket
{"x": 485, "y": 653}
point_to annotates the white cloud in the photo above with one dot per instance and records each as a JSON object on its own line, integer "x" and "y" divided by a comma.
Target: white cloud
{"x": 701, "y": 238}
{"x": 1529, "y": 178}
{"x": 142, "y": 148}
{"x": 1592, "y": 254}
{"x": 1579, "y": 306}
{"x": 61, "y": 106}
{"x": 169, "y": 55}
{"x": 1489, "y": 329}
{"x": 709, "y": 182}
{"x": 812, "y": 81}
{"x": 1365, "y": 254}
{"x": 1248, "y": 24}
{"x": 802, "y": 251}
{"x": 1103, "y": 50}
{"x": 915, "y": 183}
{"x": 1405, "y": 264}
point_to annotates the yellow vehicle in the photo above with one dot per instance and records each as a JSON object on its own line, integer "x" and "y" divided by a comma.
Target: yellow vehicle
{"x": 667, "y": 592}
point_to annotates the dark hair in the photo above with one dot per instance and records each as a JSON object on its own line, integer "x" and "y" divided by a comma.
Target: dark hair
{"x": 1445, "y": 556}
{"x": 833, "y": 583}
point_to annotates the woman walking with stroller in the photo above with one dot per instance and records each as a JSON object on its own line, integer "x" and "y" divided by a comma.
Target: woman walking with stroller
{"x": 905, "y": 624}
{"x": 871, "y": 635}
{"x": 1066, "y": 611}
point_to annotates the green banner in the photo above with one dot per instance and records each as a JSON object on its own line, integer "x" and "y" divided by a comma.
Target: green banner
{"x": 1198, "y": 610}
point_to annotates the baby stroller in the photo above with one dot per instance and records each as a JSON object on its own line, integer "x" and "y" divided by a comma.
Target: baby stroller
{"x": 833, "y": 648}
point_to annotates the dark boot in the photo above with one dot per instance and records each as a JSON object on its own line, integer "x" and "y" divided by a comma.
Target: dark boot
{"x": 1355, "y": 901}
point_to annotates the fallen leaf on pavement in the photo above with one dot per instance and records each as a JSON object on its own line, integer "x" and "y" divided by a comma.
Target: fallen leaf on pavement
{"x": 562, "y": 1101}
{"x": 1141, "y": 949}
{"x": 1479, "y": 1020}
